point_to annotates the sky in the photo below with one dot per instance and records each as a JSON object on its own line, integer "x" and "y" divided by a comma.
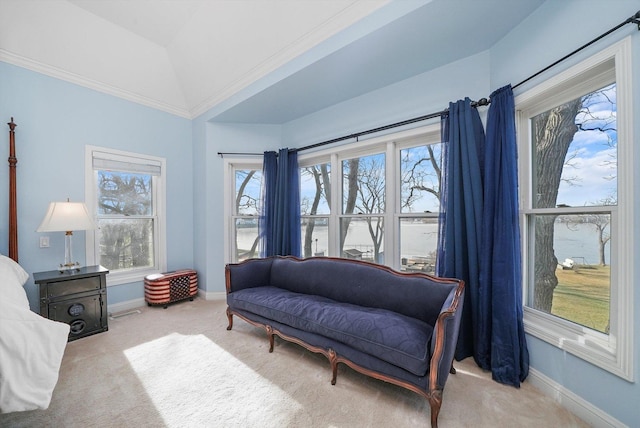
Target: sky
{"x": 590, "y": 176}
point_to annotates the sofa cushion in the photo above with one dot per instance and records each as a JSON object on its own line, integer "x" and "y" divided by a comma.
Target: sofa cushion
{"x": 392, "y": 337}
{"x": 363, "y": 284}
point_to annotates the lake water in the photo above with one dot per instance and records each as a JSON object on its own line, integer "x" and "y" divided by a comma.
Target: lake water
{"x": 579, "y": 242}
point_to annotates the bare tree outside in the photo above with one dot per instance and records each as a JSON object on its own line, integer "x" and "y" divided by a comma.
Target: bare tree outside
{"x": 364, "y": 196}
{"x": 553, "y": 133}
{"x": 124, "y": 216}
{"x": 574, "y": 155}
{"x": 246, "y": 213}
{"x": 420, "y": 181}
{"x": 420, "y": 176}
{"x": 320, "y": 175}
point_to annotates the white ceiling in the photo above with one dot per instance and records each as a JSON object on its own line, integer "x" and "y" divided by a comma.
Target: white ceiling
{"x": 188, "y": 56}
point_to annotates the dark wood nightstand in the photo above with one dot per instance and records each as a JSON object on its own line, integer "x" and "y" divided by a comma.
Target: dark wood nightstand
{"x": 77, "y": 297}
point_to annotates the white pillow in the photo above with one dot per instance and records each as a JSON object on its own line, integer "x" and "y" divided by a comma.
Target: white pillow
{"x": 12, "y": 279}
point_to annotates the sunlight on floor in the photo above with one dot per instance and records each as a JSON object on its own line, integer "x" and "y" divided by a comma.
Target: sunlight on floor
{"x": 194, "y": 382}
{"x": 470, "y": 373}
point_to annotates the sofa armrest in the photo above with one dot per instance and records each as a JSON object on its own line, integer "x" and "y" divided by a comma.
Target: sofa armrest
{"x": 445, "y": 338}
{"x": 247, "y": 274}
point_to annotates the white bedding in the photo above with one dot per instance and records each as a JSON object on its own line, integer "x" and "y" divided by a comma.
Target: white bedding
{"x": 31, "y": 346}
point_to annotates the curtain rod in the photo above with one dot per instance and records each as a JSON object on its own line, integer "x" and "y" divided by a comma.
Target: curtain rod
{"x": 635, "y": 19}
{"x": 480, "y": 102}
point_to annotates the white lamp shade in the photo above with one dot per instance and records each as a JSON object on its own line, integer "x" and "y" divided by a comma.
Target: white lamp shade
{"x": 66, "y": 217}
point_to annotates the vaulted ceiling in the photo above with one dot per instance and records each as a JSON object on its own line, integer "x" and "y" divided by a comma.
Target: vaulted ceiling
{"x": 264, "y": 61}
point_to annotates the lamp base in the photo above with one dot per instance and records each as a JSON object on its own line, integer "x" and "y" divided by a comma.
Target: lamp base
{"x": 66, "y": 267}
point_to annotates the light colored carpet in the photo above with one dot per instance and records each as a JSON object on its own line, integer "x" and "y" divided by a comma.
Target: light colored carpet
{"x": 180, "y": 367}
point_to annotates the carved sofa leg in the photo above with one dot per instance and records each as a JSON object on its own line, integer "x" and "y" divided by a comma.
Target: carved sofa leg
{"x": 453, "y": 369}
{"x": 271, "y": 337}
{"x": 333, "y": 359}
{"x": 435, "y": 401}
{"x": 230, "y": 317}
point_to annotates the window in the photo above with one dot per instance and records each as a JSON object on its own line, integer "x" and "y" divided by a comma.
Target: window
{"x": 315, "y": 200}
{"x": 420, "y": 168}
{"x": 363, "y": 208}
{"x": 386, "y": 191}
{"x": 576, "y": 196}
{"x": 125, "y": 193}
{"x": 246, "y": 212}
{"x": 375, "y": 200}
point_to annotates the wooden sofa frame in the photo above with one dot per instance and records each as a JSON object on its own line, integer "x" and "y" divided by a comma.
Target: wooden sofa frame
{"x": 433, "y": 394}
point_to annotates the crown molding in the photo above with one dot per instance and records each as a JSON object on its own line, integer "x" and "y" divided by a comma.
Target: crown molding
{"x": 58, "y": 73}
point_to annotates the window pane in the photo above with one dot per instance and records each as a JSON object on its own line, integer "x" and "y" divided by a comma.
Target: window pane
{"x": 362, "y": 238}
{"x": 315, "y": 236}
{"x": 126, "y": 243}
{"x": 246, "y": 231}
{"x": 572, "y": 276}
{"x": 122, "y": 193}
{"x": 248, "y": 184}
{"x": 420, "y": 175}
{"x": 418, "y": 244}
{"x": 363, "y": 185}
{"x": 315, "y": 189}
{"x": 575, "y": 152}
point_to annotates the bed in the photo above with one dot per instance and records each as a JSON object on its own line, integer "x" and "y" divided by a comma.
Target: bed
{"x": 31, "y": 346}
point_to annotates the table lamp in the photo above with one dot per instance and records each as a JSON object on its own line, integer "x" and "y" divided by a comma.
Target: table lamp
{"x": 67, "y": 217}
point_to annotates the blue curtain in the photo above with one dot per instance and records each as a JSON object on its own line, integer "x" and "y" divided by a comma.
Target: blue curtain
{"x": 501, "y": 345}
{"x": 479, "y": 238}
{"x": 280, "y": 219}
{"x": 269, "y": 183}
{"x": 461, "y": 211}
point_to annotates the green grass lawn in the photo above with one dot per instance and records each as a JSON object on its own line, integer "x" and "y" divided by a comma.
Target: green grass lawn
{"x": 582, "y": 296}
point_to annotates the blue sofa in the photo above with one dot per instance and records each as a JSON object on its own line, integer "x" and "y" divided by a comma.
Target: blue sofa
{"x": 401, "y": 328}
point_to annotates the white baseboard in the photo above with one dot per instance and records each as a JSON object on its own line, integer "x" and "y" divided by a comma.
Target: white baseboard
{"x": 125, "y": 306}
{"x": 572, "y": 402}
{"x": 136, "y": 303}
{"x": 212, "y": 295}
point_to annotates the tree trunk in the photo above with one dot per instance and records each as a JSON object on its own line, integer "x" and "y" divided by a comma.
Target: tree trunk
{"x": 553, "y": 132}
{"x": 308, "y": 232}
{"x": 602, "y": 241}
{"x": 352, "y": 194}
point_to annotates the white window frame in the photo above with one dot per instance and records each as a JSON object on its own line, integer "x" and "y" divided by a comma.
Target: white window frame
{"x": 160, "y": 227}
{"x": 431, "y": 135}
{"x": 303, "y": 217}
{"x": 231, "y": 165}
{"x": 389, "y": 144}
{"x": 612, "y": 352}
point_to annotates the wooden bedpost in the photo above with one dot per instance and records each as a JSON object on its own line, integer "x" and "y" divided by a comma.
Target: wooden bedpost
{"x": 13, "y": 208}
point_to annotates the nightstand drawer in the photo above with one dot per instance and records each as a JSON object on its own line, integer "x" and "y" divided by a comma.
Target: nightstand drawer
{"x": 73, "y": 286}
{"x": 85, "y": 315}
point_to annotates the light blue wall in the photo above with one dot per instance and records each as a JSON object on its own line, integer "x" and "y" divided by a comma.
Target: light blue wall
{"x": 552, "y": 31}
{"x": 56, "y": 119}
{"x": 417, "y": 96}
{"x": 209, "y": 139}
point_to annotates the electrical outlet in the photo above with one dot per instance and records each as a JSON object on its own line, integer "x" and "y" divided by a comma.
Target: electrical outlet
{"x": 44, "y": 242}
